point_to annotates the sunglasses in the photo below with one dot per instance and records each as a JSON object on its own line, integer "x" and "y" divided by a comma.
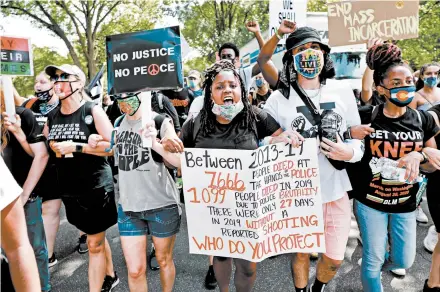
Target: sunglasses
{"x": 121, "y": 98}
{"x": 61, "y": 77}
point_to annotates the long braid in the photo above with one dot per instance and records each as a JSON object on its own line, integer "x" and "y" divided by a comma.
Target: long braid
{"x": 207, "y": 117}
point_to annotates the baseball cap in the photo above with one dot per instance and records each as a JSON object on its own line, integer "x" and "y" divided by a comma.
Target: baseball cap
{"x": 66, "y": 68}
{"x": 304, "y": 35}
{"x": 195, "y": 73}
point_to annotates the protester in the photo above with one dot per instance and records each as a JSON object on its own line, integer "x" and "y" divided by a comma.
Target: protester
{"x": 149, "y": 200}
{"x": 84, "y": 175}
{"x": 295, "y": 114}
{"x": 261, "y": 93}
{"x": 428, "y": 94}
{"x": 228, "y": 121}
{"x": 15, "y": 241}
{"x": 181, "y": 100}
{"x": 195, "y": 83}
{"x": 393, "y": 214}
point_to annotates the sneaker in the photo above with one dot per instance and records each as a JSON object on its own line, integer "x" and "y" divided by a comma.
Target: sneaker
{"x": 53, "y": 260}
{"x": 110, "y": 283}
{"x": 314, "y": 255}
{"x": 210, "y": 280}
{"x": 399, "y": 272}
{"x": 426, "y": 288}
{"x": 82, "y": 244}
{"x": 421, "y": 216}
{"x": 152, "y": 260}
{"x": 431, "y": 239}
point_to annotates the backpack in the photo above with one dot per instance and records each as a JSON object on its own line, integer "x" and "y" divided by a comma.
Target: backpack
{"x": 158, "y": 121}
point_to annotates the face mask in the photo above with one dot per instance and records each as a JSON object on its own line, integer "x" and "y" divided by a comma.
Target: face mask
{"x": 259, "y": 82}
{"x": 192, "y": 84}
{"x": 46, "y": 108}
{"x": 229, "y": 112}
{"x": 71, "y": 89}
{"x": 132, "y": 102}
{"x": 309, "y": 63}
{"x": 431, "y": 81}
{"x": 44, "y": 95}
{"x": 401, "y": 96}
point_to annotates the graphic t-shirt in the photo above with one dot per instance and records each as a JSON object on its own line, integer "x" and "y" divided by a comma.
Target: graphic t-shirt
{"x": 144, "y": 184}
{"x": 231, "y": 136}
{"x": 380, "y": 184}
{"x": 80, "y": 174}
{"x": 258, "y": 98}
{"x": 337, "y": 105}
{"x": 181, "y": 101}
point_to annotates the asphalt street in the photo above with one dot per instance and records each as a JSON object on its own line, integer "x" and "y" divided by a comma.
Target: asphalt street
{"x": 272, "y": 275}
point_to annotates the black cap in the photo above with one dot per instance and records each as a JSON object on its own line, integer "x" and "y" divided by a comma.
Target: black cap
{"x": 304, "y": 35}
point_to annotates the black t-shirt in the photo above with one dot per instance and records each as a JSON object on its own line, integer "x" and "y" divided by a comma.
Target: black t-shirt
{"x": 376, "y": 184}
{"x": 231, "y": 136}
{"x": 17, "y": 160}
{"x": 80, "y": 174}
{"x": 258, "y": 98}
{"x": 181, "y": 101}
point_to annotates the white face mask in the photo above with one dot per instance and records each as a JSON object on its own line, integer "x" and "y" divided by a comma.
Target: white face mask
{"x": 228, "y": 112}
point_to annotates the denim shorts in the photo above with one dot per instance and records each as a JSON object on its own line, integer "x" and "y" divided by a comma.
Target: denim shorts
{"x": 162, "y": 222}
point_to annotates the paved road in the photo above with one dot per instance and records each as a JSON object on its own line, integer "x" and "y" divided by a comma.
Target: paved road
{"x": 273, "y": 274}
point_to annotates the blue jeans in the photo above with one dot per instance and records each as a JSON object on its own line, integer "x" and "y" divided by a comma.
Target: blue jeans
{"x": 377, "y": 230}
{"x": 37, "y": 238}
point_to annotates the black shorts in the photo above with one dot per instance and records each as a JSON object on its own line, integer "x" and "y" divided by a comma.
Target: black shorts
{"x": 47, "y": 196}
{"x": 93, "y": 212}
{"x": 432, "y": 194}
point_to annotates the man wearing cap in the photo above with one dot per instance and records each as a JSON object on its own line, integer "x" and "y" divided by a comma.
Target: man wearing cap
{"x": 195, "y": 83}
{"x": 306, "y": 93}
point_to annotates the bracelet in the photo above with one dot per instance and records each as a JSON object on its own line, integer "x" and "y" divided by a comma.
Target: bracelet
{"x": 278, "y": 35}
{"x": 425, "y": 157}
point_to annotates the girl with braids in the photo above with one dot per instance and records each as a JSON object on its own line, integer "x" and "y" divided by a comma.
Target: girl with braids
{"x": 428, "y": 94}
{"x": 228, "y": 121}
{"x": 388, "y": 187}
{"x": 306, "y": 93}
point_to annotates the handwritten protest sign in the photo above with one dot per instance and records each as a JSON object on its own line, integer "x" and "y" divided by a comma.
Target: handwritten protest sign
{"x": 294, "y": 10}
{"x": 355, "y": 22}
{"x": 145, "y": 60}
{"x": 253, "y": 204}
{"x": 16, "y": 56}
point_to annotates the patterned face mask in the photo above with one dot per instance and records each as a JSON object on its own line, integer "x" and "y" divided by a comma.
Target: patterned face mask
{"x": 401, "y": 96}
{"x": 44, "y": 95}
{"x": 130, "y": 104}
{"x": 228, "y": 112}
{"x": 46, "y": 108}
{"x": 309, "y": 63}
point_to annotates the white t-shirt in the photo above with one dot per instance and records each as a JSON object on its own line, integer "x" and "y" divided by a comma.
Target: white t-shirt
{"x": 337, "y": 97}
{"x": 197, "y": 104}
{"x": 9, "y": 189}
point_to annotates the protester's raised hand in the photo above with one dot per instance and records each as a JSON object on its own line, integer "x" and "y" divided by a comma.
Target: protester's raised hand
{"x": 373, "y": 42}
{"x": 336, "y": 151}
{"x": 94, "y": 139}
{"x": 252, "y": 26}
{"x": 13, "y": 127}
{"x": 361, "y": 131}
{"x": 149, "y": 131}
{"x": 287, "y": 27}
{"x": 288, "y": 136}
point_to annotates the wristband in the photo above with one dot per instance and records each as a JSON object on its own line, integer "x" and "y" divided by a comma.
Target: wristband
{"x": 278, "y": 35}
{"x": 347, "y": 134}
{"x": 425, "y": 157}
{"x": 79, "y": 148}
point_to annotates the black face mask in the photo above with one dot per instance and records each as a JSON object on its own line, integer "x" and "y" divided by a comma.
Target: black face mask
{"x": 44, "y": 95}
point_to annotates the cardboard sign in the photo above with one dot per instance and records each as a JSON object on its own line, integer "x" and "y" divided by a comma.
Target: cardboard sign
{"x": 253, "y": 204}
{"x": 355, "y": 22}
{"x": 294, "y": 10}
{"x": 145, "y": 60}
{"x": 16, "y": 56}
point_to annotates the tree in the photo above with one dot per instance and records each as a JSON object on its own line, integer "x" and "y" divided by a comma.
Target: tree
{"x": 82, "y": 25}
{"x": 42, "y": 57}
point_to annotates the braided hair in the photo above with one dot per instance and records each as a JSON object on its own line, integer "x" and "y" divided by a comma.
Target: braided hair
{"x": 420, "y": 83}
{"x": 383, "y": 57}
{"x": 207, "y": 118}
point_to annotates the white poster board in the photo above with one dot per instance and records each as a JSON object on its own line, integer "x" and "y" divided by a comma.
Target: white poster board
{"x": 293, "y": 10}
{"x": 253, "y": 204}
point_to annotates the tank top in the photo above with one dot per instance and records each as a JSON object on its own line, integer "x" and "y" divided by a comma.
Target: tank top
{"x": 82, "y": 173}
{"x": 427, "y": 105}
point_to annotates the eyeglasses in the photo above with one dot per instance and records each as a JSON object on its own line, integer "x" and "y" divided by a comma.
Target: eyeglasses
{"x": 61, "y": 77}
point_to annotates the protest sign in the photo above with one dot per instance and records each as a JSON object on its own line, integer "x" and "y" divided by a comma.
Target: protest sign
{"x": 294, "y": 10}
{"x": 355, "y": 22}
{"x": 144, "y": 60}
{"x": 253, "y": 204}
{"x": 16, "y": 56}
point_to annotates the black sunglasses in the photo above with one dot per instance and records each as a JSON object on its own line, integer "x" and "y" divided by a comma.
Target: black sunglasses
{"x": 61, "y": 77}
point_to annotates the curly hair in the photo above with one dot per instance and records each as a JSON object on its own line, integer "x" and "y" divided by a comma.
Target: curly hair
{"x": 229, "y": 46}
{"x": 420, "y": 83}
{"x": 207, "y": 118}
{"x": 383, "y": 57}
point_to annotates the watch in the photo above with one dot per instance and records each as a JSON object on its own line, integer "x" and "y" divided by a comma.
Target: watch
{"x": 347, "y": 134}
{"x": 425, "y": 157}
{"x": 79, "y": 148}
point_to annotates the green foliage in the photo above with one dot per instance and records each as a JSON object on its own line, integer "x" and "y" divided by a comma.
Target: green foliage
{"x": 317, "y": 6}
{"x": 42, "y": 57}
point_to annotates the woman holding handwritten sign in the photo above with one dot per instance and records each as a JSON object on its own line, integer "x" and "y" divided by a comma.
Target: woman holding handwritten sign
{"x": 389, "y": 186}
{"x": 228, "y": 121}
{"x": 310, "y": 104}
